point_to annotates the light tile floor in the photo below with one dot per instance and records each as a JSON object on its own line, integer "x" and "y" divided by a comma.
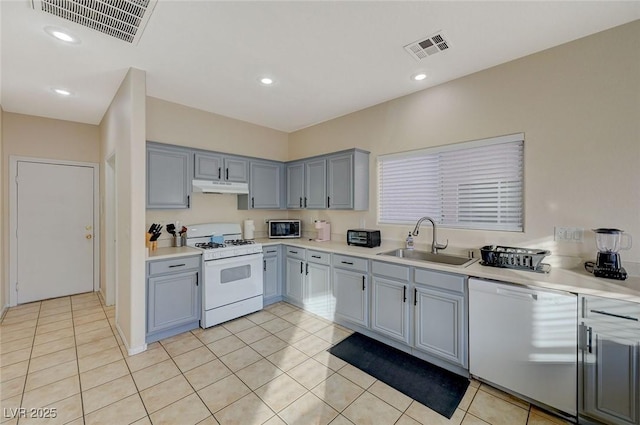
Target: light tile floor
{"x": 63, "y": 355}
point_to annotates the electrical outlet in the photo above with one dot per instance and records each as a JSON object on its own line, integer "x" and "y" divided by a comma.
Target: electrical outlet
{"x": 266, "y": 221}
{"x": 568, "y": 234}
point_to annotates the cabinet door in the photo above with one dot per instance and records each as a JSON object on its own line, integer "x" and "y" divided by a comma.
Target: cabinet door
{"x": 340, "y": 182}
{"x": 295, "y": 186}
{"x": 390, "y": 308}
{"x": 271, "y": 277}
{"x": 351, "y": 298}
{"x": 172, "y": 301}
{"x": 168, "y": 178}
{"x": 265, "y": 185}
{"x": 439, "y": 327}
{"x": 294, "y": 279}
{"x": 208, "y": 166}
{"x": 236, "y": 170}
{"x": 611, "y": 377}
{"x": 317, "y": 289}
{"x": 316, "y": 184}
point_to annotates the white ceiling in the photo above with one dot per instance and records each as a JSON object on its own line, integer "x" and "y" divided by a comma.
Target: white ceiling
{"x": 328, "y": 58}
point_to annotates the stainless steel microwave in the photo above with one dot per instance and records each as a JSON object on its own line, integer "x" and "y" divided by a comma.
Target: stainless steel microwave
{"x": 281, "y": 229}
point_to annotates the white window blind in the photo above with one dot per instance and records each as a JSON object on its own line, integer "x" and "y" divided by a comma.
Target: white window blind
{"x": 474, "y": 185}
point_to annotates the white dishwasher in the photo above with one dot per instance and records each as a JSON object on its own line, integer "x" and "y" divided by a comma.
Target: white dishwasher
{"x": 524, "y": 340}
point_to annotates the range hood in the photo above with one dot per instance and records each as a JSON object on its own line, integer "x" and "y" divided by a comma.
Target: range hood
{"x": 208, "y": 186}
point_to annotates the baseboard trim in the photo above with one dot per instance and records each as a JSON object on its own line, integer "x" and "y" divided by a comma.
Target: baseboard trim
{"x": 130, "y": 350}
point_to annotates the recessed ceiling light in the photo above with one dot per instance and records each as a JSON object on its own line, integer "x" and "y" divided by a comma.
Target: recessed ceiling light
{"x": 62, "y": 92}
{"x": 62, "y": 35}
{"x": 266, "y": 81}
{"x": 419, "y": 76}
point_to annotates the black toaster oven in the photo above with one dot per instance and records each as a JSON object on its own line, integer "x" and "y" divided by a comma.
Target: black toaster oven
{"x": 363, "y": 237}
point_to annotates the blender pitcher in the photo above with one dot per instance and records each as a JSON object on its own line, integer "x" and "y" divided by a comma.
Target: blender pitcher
{"x": 609, "y": 240}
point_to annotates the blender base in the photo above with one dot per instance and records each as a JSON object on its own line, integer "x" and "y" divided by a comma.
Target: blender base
{"x": 609, "y": 273}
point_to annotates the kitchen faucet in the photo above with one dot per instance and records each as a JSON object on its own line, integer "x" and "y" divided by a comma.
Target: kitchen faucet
{"x": 435, "y": 246}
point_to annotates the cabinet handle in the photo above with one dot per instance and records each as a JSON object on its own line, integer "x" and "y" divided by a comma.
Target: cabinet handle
{"x": 301, "y": 267}
{"x": 404, "y": 294}
{"x": 589, "y": 336}
{"x": 347, "y": 262}
{"x": 177, "y": 265}
{"x": 219, "y": 173}
{"x": 307, "y": 269}
{"x": 227, "y": 174}
{"x": 305, "y": 202}
{"x": 293, "y": 252}
{"x": 316, "y": 256}
{"x": 252, "y": 202}
{"x": 363, "y": 279}
{"x": 271, "y": 252}
{"x": 301, "y": 202}
{"x": 328, "y": 201}
{"x": 415, "y": 296}
{"x": 197, "y": 279}
{"x": 188, "y": 201}
{"x": 619, "y": 316}
{"x": 264, "y": 265}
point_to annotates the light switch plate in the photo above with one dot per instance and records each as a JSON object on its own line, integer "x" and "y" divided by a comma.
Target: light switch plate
{"x": 569, "y": 234}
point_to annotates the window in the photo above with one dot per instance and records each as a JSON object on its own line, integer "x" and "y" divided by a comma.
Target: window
{"x": 471, "y": 185}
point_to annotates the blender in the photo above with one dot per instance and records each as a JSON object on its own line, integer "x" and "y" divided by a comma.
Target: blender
{"x": 608, "y": 264}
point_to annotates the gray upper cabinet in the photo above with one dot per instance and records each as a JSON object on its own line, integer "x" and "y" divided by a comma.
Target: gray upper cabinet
{"x": 348, "y": 181}
{"x": 212, "y": 166}
{"x": 295, "y": 185}
{"x": 265, "y": 186}
{"x": 337, "y": 181}
{"x": 315, "y": 184}
{"x": 168, "y": 177}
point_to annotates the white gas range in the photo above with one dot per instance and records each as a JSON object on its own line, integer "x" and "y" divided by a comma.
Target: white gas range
{"x": 232, "y": 272}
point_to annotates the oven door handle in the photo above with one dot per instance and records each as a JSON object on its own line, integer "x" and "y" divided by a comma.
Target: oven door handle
{"x": 233, "y": 260}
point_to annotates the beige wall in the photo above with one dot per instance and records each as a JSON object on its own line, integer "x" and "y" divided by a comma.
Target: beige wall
{"x": 123, "y": 134}
{"x": 29, "y": 136}
{"x": 579, "y": 107}
{"x": 180, "y": 125}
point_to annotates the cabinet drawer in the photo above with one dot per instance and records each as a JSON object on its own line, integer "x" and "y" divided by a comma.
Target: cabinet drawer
{"x": 173, "y": 265}
{"x": 448, "y": 282}
{"x": 318, "y": 257}
{"x": 294, "y": 252}
{"x": 270, "y": 251}
{"x": 394, "y": 271}
{"x": 350, "y": 263}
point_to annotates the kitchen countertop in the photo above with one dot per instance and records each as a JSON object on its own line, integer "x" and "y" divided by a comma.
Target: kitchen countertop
{"x": 575, "y": 280}
{"x": 171, "y": 252}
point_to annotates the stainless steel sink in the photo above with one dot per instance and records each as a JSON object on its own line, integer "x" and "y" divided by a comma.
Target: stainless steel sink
{"x": 410, "y": 254}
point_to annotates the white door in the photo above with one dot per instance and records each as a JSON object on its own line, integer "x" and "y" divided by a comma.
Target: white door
{"x": 55, "y": 230}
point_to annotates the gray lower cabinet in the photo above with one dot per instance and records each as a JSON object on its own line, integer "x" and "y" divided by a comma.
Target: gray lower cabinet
{"x": 168, "y": 177}
{"x": 317, "y": 287}
{"x": 213, "y": 166}
{"x": 265, "y": 186}
{"x": 294, "y": 275}
{"x": 390, "y": 303}
{"x": 272, "y": 274}
{"x": 351, "y": 289}
{"x": 609, "y": 373}
{"x": 173, "y": 296}
{"x": 440, "y": 315}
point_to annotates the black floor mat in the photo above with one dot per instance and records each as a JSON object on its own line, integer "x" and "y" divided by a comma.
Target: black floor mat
{"x": 436, "y": 388}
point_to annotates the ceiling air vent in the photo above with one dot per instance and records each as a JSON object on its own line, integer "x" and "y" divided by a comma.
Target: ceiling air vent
{"x": 428, "y": 46}
{"x": 123, "y": 19}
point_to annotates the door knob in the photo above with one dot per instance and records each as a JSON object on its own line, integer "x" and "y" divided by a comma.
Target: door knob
{"x": 88, "y": 236}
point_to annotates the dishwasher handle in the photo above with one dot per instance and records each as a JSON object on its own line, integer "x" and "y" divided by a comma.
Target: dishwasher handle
{"x": 517, "y": 294}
